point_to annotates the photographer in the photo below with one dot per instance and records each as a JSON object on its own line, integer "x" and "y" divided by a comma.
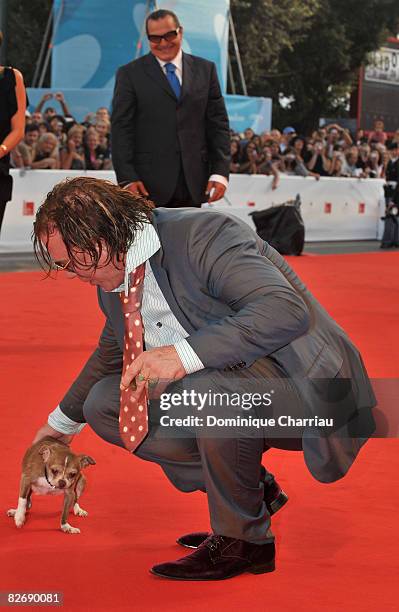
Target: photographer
{"x": 337, "y": 162}
{"x": 294, "y": 165}
{"x": 316, "y": 159}
{"x": 267, "y": 167}
{"x": 50, "y": 111}
{"x": 336, "y": 135}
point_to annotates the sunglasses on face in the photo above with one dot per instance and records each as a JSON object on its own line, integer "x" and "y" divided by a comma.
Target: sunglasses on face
{"x": 169, "y": 36}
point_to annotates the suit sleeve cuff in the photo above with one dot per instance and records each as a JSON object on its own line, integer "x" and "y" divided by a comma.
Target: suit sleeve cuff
{"x": 60, "y": 422}
{"x": 189, "y": 358}
{"x": 218, "y": 178}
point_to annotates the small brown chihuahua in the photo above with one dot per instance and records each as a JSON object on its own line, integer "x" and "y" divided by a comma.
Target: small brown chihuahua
{"x": 50, "y": 468}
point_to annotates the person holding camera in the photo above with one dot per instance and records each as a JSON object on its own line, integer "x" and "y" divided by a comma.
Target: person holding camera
{"x": 50, "y": 111}
{"x": 316, "y": 159}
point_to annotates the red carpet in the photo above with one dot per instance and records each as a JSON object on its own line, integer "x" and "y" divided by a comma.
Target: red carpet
{"x": 337, "y": 544}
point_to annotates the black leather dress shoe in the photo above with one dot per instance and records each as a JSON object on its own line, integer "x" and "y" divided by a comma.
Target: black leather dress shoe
{"x": 218, "y": 558}
{"x": 274, "y": 497}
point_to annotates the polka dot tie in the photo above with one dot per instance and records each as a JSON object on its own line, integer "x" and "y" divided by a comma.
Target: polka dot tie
{"x": 133, "y": 415}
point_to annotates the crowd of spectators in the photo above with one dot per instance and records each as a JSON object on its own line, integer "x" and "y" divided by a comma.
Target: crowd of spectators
{"x": 57, "y": 141}
{"x": 330, "y": 151}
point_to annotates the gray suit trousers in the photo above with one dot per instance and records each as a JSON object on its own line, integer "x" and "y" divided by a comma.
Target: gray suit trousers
{"x": 228, "y": 469}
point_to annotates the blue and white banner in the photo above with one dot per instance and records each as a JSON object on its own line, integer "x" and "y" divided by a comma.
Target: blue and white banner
{"x": 243, "y": 112}
{"x": 94, "y": 37}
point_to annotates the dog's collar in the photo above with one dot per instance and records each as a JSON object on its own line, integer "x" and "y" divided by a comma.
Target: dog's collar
{"x": 45, "y": 473}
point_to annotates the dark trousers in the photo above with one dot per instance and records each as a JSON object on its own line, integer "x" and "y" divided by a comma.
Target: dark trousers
{"x": 2, "y": 211}
{"x": 227, "y": 468}
{"x": 181, "y": 196}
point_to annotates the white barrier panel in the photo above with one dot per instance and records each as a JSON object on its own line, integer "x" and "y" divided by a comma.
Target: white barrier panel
{"x": 30, "y": 189}
{"x": 332, "y": 208}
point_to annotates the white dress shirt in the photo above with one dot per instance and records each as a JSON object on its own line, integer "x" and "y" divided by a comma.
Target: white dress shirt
{"x": 161, "y": 328}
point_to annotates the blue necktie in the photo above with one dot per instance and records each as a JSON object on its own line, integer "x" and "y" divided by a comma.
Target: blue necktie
{"x": 172, "y": 78}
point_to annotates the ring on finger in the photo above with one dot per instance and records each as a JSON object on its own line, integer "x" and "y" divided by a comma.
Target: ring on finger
{"x": 141, "y": 377}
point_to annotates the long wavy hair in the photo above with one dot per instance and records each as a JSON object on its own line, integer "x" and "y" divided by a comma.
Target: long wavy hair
{"x": 89, "y": 213}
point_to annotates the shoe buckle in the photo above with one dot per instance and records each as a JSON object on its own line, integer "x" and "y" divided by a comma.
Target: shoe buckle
{"x": 214, "y": 543}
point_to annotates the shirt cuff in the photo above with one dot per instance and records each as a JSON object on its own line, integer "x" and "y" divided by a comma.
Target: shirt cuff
{"x": 60, "y": 422}
{"x": 189, "y": 358}
{"x": 218, "y": 178}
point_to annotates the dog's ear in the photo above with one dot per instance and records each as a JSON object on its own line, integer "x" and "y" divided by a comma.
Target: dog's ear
{"x": 45, "y": 452}
{"x": 85, "y": 460}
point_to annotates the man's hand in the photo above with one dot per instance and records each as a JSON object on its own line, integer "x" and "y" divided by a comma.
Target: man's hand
{"x": 46, "y": 430}
{"x": 218, "y": 191}
{"x": 137, "y": 187}
{"x": 153, "y": 366}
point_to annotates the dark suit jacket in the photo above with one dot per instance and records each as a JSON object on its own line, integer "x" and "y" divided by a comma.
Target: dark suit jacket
{"x": 240, "y": 302}
{"x": 153, "y": 132}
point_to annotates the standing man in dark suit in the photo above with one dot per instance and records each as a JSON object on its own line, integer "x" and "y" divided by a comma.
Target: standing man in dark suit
{"x": 222, "y": 311}
{"x": 170, "y": 131}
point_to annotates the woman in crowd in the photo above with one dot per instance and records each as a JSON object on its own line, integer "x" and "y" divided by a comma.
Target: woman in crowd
{"x": 257, "y": 142}
{"x": 337, "y": 162}
{"x": 12, "y": 125}
{"x": 72, "y": 156}
{"x": 43, "y": 129}
{"x": 46, "y": 153}
{"x": 249, "y": 159}
{"x": 95, "y": 156}
{"x": 57, "y": 127}
{"x": 103, "y": 129}
{"x": 234, "y": 156}
{"x": 316, "y": 158}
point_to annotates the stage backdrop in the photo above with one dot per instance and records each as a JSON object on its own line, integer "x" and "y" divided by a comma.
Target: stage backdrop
{"x": 333, "y": 209}
{"x": 93, "y": 38}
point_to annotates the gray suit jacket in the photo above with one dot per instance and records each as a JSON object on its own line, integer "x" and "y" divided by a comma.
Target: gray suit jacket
{"x": 240, "y": 301}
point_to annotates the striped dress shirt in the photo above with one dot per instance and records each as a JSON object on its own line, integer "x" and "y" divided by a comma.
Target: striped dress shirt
{"x": 161, "y": 328}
